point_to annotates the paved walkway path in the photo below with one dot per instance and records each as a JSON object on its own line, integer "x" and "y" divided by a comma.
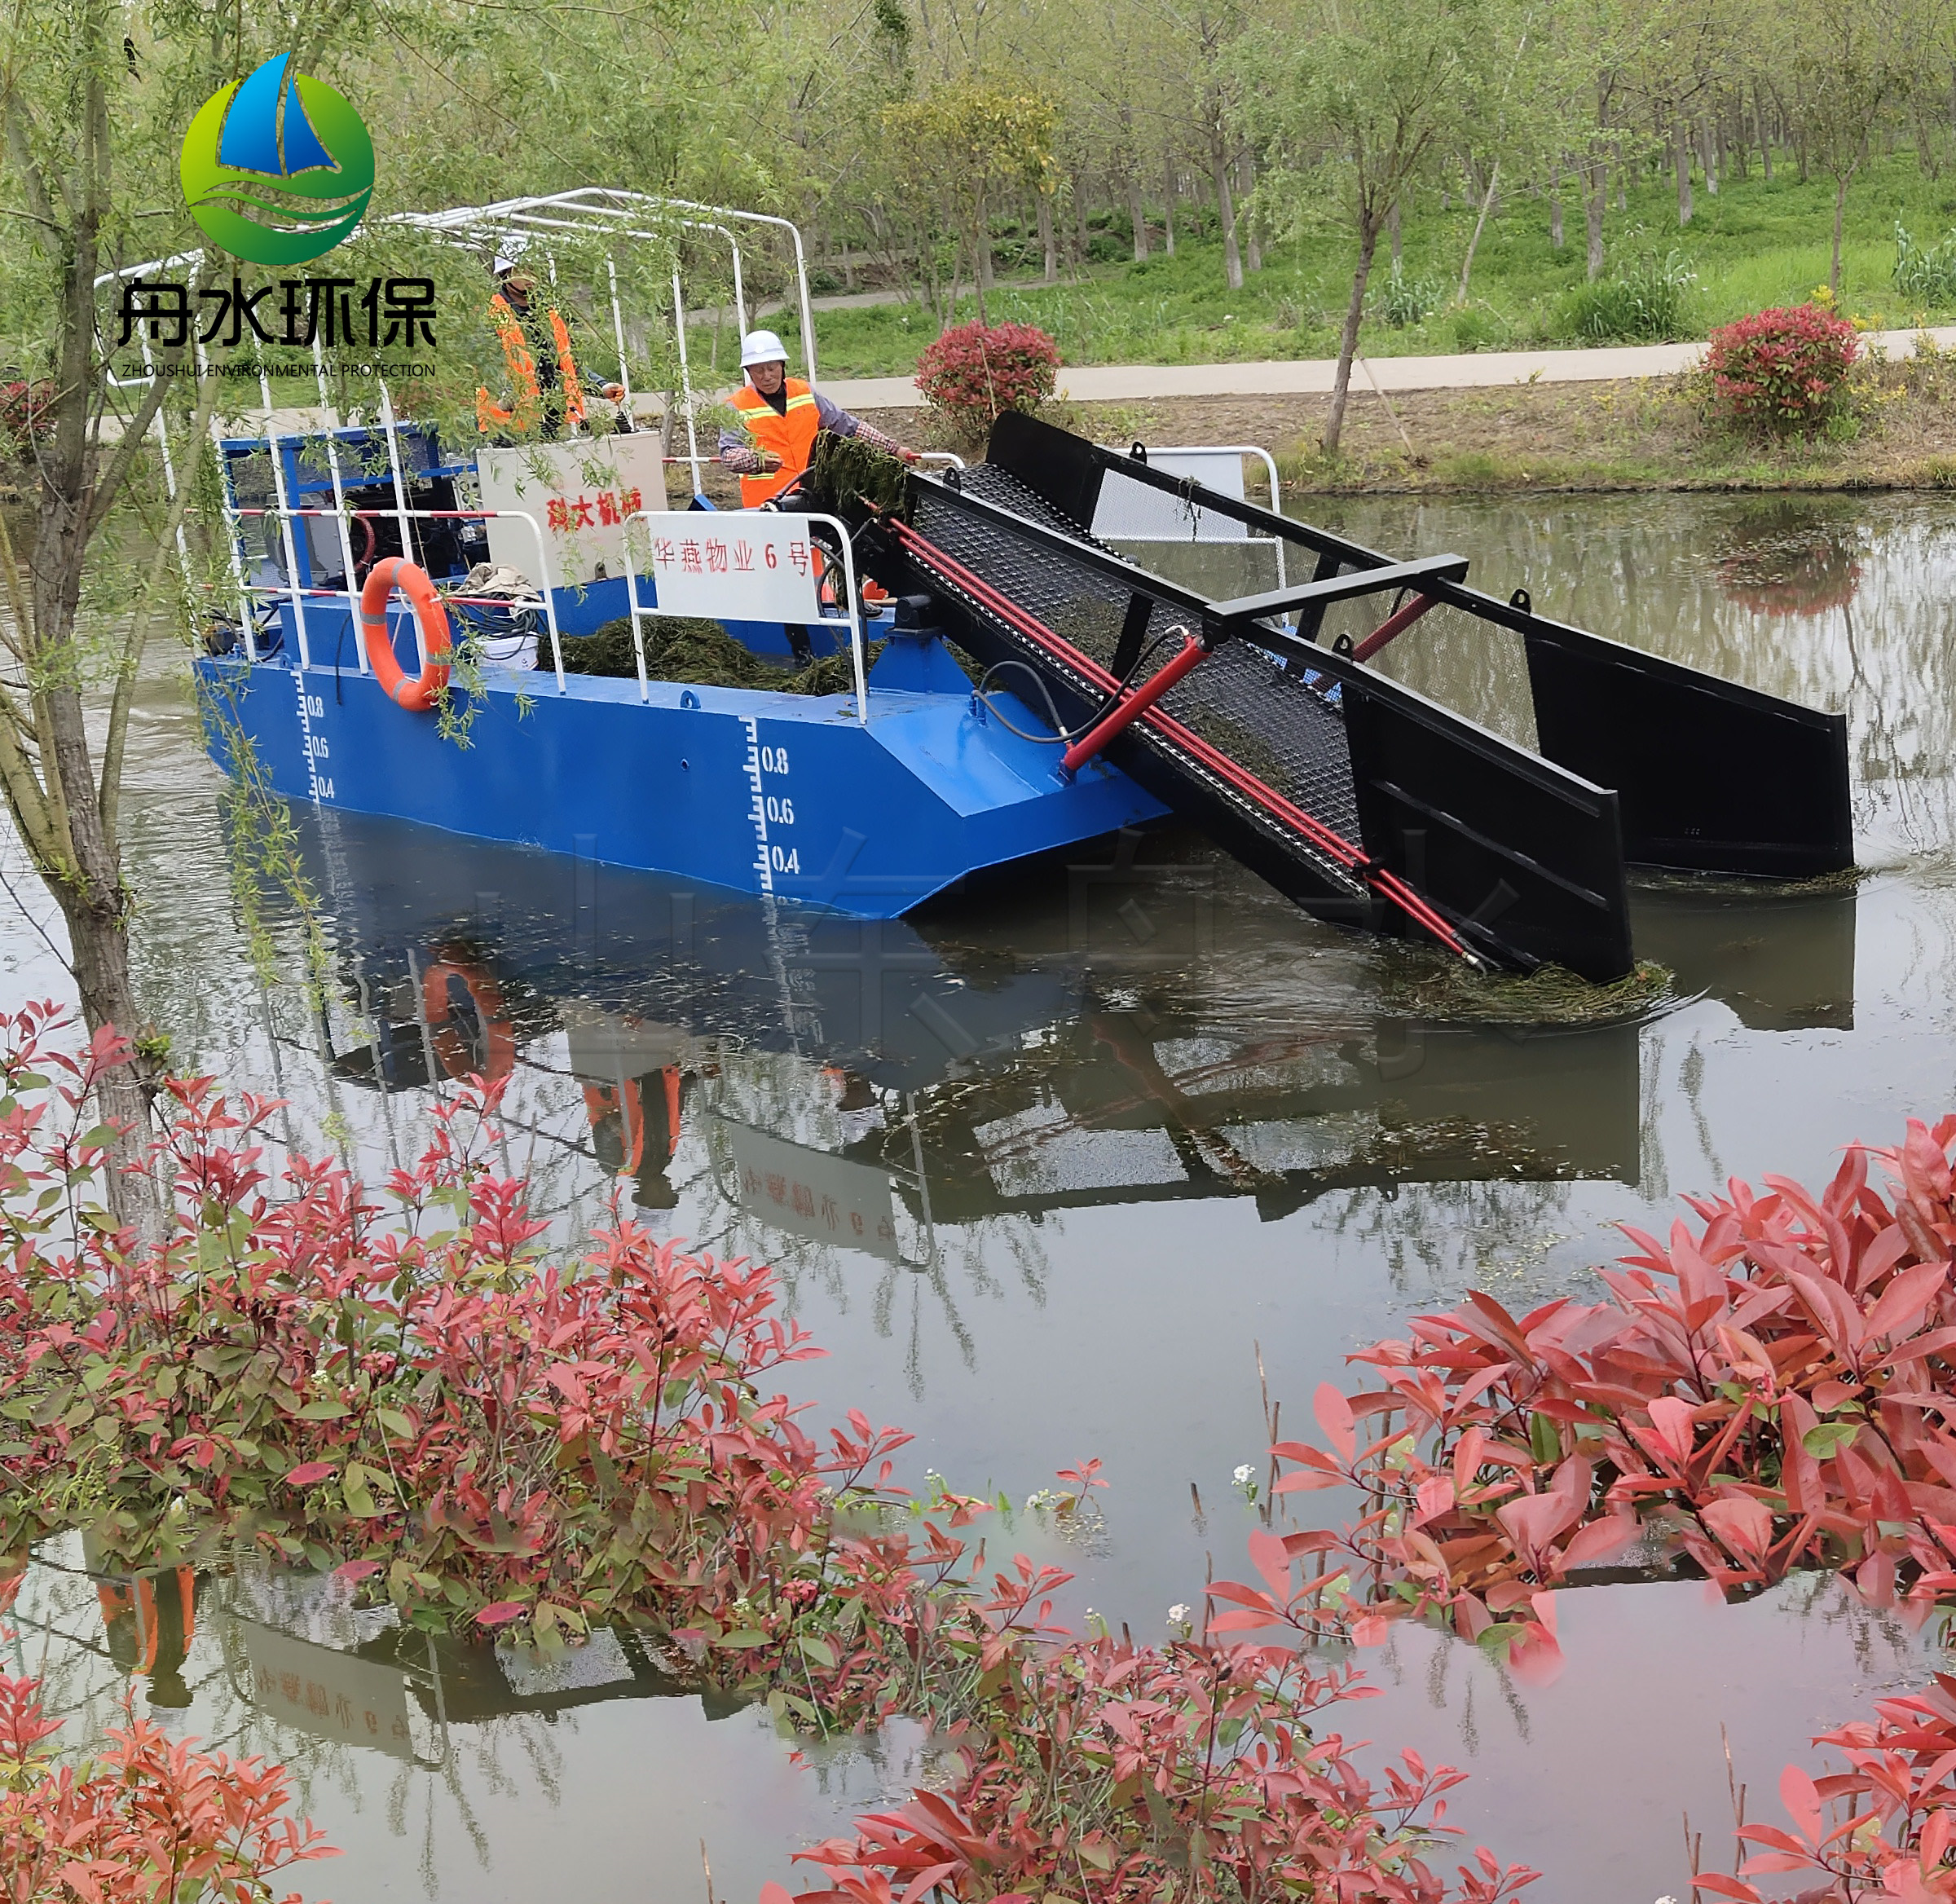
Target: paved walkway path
{"x": 1097, "y": 383}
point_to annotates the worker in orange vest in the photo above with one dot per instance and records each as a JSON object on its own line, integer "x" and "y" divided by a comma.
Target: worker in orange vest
{"x": 779, "y": 416}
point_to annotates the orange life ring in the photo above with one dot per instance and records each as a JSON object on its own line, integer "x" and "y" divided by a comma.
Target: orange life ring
{"x": 396, "y": 571}
{"x": 487, "y": 995}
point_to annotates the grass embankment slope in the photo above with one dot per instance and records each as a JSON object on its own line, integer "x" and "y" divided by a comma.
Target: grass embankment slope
{"x": 1898, "y": 432}
{"x": 1753, "y": 245}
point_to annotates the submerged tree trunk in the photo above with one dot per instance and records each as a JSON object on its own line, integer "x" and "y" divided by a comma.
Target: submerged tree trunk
{"x": 1348, "y": 337}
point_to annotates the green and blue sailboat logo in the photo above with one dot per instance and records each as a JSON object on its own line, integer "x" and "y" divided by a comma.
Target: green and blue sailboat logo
{"x": 277, "y": 167}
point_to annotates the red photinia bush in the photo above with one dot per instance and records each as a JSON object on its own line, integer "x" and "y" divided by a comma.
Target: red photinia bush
{"x": 1119, "y": 1774}
{"x": 974, "y": 373}
{"x": 1895, "y": 1834}
{"x": 1782, "y": 369}
{"x": 26, "y": 413}
{"x": 1767, "y": 1392}
{"x": 415, "y": 1393}
{"x": 153, "y": 1819}
{"x": 420, "y": 1395}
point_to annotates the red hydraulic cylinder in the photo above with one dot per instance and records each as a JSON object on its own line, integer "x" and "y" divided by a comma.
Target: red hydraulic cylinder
{"x": 1144, "y": 698}
{"x": 1393, "y": 624}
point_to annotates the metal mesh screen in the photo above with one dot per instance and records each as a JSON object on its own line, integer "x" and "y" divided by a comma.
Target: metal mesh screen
{"x": 1240, "y": 700}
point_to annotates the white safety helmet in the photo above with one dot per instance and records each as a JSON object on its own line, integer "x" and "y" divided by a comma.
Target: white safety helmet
{"x": 761, "y": 347}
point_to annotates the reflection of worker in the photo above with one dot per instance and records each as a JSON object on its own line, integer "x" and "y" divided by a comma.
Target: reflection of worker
{"x": 779, "y": 416}
{"x": 150, "y": 1621}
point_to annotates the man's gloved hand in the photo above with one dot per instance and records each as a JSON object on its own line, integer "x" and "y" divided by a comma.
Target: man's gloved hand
{"x": 909, "y": 456}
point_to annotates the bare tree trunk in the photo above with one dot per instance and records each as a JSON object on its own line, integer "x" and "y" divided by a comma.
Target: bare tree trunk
{"x": 1246, "y": 181}
{"x": 1169, "y": 182}
{"x": 1226, "y": 208}
{"x": 1840, "y": 207}
{"x": 1392, "y": 231}
{"x": 1079, "y": 200}
{"x": 1136, "y": 211}
{"x": 1681, "y": 157}
{"x": 1555, "y": 208}
{"x": 1595, "y": 192}
{"x": 1473, "y": 243}
{"x": 1707, "y": 155}
{"x": 1348, "y": 337}
{"x": 1765, "y": 132}
{"x": 981, "y": 250}
{"x": 1049, "y": 250}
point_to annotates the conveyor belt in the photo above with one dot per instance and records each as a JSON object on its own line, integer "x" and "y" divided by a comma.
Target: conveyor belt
{"x": 1363, "y": 800}
{"x": 1342, "y": 877}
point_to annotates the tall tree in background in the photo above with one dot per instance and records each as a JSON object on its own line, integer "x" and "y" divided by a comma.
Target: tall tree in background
{"x": 1354, "y": 98}
{"x": 972, "y": 146}
{"x": 95, "y": 97}
{"x": 1852, "y": 64}
{"x": 88, "y": 114}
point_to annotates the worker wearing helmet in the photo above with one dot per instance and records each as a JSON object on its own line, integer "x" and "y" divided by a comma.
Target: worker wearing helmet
{"x": 779, "y": 416}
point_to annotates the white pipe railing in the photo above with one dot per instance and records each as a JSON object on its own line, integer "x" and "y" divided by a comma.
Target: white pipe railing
{"x": 638, "y": 608}
{"x": 549, "y": 605}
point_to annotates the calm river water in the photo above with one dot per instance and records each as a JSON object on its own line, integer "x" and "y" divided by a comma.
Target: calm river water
{"x": 1047, "y": 1170}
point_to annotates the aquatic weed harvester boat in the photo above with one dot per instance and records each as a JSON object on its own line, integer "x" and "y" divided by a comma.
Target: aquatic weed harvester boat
{"x": 1106, "y": 694}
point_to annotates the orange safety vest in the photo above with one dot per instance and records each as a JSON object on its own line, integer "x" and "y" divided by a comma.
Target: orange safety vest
{"x": 791, "y": 437}
{"x": 522, "y": 414}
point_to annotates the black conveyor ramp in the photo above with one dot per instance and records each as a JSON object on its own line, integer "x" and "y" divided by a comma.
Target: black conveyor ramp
{"x": 1365, "y": 801}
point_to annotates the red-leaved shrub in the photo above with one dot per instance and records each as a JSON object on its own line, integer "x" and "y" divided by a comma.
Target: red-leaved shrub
{"x": 1893, "y": 1837}
{"x": 26, "y": 413}
{"x": 1770, "y": 1391}
{"x": 1782, "y": 370}
{"x": 973, "y": 373}
{"x": 429, "y": 1397}
{"x": 151, "y": 1819}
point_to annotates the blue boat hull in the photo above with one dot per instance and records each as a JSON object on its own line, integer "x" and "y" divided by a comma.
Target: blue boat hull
{"x": 782, "y": 794}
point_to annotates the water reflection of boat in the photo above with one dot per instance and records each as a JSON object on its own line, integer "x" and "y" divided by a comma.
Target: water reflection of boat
{"x": 1101, "y": 1040}
{"x": 915, "y": 1075}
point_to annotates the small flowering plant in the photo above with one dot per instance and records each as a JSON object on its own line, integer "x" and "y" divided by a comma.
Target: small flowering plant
{"x": 1782, "y": 370}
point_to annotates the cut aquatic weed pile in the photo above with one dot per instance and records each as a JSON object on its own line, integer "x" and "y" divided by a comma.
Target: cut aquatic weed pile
{"x": 691, "y": 649}
{"x": 847, "y": 475}
{"x": 421, "y": 1395}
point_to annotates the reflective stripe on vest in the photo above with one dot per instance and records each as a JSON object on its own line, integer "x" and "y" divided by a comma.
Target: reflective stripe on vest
{"x": 791, "y": 437}
{"x": 521, "y": 413}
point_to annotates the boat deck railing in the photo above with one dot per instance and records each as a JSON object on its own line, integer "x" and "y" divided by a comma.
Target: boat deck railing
{"x": 292, "y": 591}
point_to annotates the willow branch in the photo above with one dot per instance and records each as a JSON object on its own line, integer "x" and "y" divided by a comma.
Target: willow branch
{"x": 110, "y": 794}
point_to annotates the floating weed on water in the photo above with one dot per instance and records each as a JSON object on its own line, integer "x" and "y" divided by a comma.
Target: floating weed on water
{"x": 1454, "y": 992}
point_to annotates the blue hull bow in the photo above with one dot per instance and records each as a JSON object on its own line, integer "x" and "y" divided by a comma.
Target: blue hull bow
{"x": 759, "y": 792}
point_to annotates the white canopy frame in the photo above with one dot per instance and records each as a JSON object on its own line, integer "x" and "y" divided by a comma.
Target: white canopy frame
{"x": 634, "y": 214}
